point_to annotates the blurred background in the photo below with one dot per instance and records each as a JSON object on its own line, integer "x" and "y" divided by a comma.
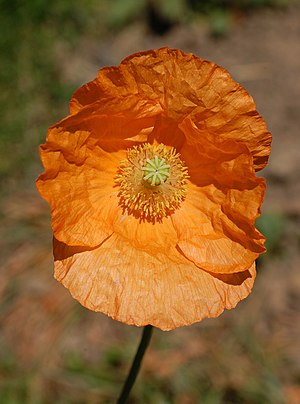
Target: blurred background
{"x": 51, "y": 349}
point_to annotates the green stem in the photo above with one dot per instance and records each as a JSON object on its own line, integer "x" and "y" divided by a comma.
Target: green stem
{"x": 136, "y": 364}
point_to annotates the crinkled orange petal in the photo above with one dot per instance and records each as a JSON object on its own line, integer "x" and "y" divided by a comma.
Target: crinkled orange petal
{"x": 235, "y": 118}
{"x": 167, "y": 132}
{"x": 216, "y": 222}
{"x": 138, "y": 288}
{"x": 81, "y": 157}
{"x": 150, "y": 237}
{"x": 211, "y": 239}
{"x": 183, "y": 84}
{"x": 105, "y": 97}
{"x": 79, "y": 186}
{"x": 115, "y": 120}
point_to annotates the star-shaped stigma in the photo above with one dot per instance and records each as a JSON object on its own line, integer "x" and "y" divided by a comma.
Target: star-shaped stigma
{"x": 156, "y": 171}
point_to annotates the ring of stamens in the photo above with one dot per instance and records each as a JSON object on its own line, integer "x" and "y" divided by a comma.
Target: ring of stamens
{"x": 152, "y": 181}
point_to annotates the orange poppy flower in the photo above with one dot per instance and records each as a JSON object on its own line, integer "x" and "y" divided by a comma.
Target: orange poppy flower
{"x": 151, "y": 180}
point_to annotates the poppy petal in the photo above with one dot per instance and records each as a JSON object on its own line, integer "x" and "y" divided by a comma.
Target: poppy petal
{"x": 134, "y": 287}
{"x": 185, "y": 85}
{"x": 79, "y": 187}
{"x": 210, "y": 239}
{"x": 143, "y": 235}
{"x": 113, "y": 120}
{"x": 215, "y": 224}
{"x": 235, "y": 118}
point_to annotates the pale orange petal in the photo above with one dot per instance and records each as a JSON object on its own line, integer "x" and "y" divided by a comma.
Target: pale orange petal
{"x": 79, "y": 186}
{"x": 110, "y": 121}
{"x": 225, "y": 123}
{"x": 217, "y": 105}
{"x": 216, "y": 222}
{"x": 138, "y": 288}
{"x": 181, "y": 85}
{"x": 211, "y": 239}
{"x": 167, "y": 132}
{"x": 150, "y": 237}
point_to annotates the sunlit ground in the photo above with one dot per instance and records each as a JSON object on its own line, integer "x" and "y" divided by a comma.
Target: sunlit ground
{"x": 55, "y": 351}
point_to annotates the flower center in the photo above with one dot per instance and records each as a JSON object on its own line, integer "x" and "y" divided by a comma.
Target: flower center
{"x": 152, "y": 181}
{"x": 156, "y": 171}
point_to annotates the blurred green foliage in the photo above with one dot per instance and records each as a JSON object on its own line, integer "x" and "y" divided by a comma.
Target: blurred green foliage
{"x": 32, "y": 91}
{"x": 170, "y": 12}
{"x": 272, "y": 225}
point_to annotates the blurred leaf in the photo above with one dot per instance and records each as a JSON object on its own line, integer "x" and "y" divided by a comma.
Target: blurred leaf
{"x": 122, "y": 12}
{"x": 74, "y": 363}
{"x": 115, "y": 356}
{"x": 174, "y": 10}
{"x": 219, "y": 22}
{"x": 272, "y": 226}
